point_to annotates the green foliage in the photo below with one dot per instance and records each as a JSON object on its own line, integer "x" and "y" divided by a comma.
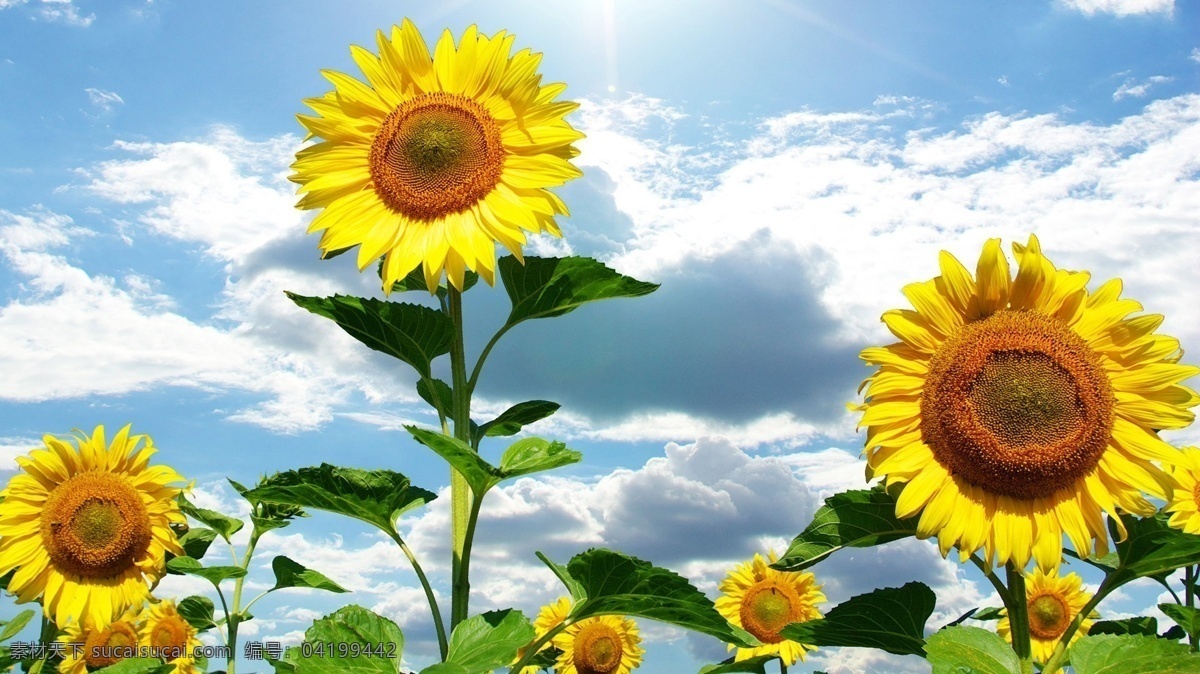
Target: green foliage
{"x": 415, "y": 280}
{"x": 989, "y": 613}
{"x": 513, "y": 419}
{"x": 1131, "y": 654}
{"x": 525, "y": 456}
{"x": 485, "y": 642}
{"x": 377, "y": 497}
{"x": 615, "y": 584}
{"x": 214, "y": 574}
{"x": 410, "y": 332}
{"x": 1143, "y": 625}
{"x": 1153, "y": 548}
{"x": 755, "y": 665}
{"x": 891, "y": 619}
{"x": 970, "y": 649}
{"x": 198, "y": 612}
{"x": 857, "y": 519}
{"x": 1186, "y": 617}
{"x": 438, "y": 394}
{"x": 136, "y": 666}
{"x": 289, "y": 573}
{"x": 15, "y": 625}
{"x": 533, "y": 455}
{"x": 222, "y": 524}
{"x": 573, "y": 587}
{"x": 546, "y": 286}
{"x": 267, "y": 516}
{"x": 196, "y": 542}
{"x": 352, "y": 640}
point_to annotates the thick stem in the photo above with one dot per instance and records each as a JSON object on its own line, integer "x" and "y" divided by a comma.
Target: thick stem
{"x": 459, "y": 490}
{"x": 460, "y": 602}
{"x": 438, "y": 625}
{"x": 1018, "y": 617}
{"x": 782, "y": 666}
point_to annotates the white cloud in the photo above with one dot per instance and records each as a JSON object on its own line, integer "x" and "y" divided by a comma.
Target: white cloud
{"x": 1130, "y": 88}
{"x": 1121, "y": 7}
{"x": 105, "y": 100}
{"x": 64, "y": 11}
{"x": 11, "y": 448}
{"x": 1195, "y": 55}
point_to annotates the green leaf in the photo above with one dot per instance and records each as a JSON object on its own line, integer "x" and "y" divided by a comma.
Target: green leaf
{"x": 531, "y": 455}
{"x": 484, "y": 642}
{"x": 438, "y": 394}
{"x": 617, "y": 584}
{"x": 1131, "y": 654}
{"x": 410, "y": 332}
{"x": 970, "y": 649}
{"x": 1152, "y": 549}
{"x": 513, "y": 419}
{"x": 136, "y": 666}
{"x": 198, "y": 612}
{"x": 415, "y": 280}
{"x": 479, "y": 474}
{"x": 989, "y": 613}
{"x": 755, "y": 665}
{"x": 445, "y": 668}
{"x": 961, "y": 619}
{"x": 1144, "y": 625}
{"x": 214, "y": 574}
{"x": 855, "y": 519}
{"x": 1186, "y": 617}
{"x": 1175, "y": 633}
{"x": 377, "y": 497}
{"x": 16, "y": 624}
{"x": 891, "y": 619}
{"x": 224, "y": 525}
{"x": 196, "y": 541}
{"x": 573, "y": 587}
{"x": 293, "y": 574}
{"x": 341, "y": 631}
{"x": 546, "y": 286}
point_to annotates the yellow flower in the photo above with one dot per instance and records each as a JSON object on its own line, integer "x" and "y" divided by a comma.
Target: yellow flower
{"x": 601, "y": 645}
{"x": 88, "y": 527}
{"x": 97, "y": 647}
{"x": 436, "y": 158}
{"x": 1016, "y": 411}
{"x": 547, "y": 619}
{"x": 1053, "y": 603}
{"x": 167, "y": 635}
{"x": 1184, "y": 505}
{"x": 763, "y": 601}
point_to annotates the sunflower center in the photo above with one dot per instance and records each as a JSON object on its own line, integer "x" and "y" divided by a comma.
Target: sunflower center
{"x": 1196, "y": 495}
{"x": 436, "y": 154}
{"x": 95, "y": 525}
{"x": 1017, "y": 404}
{"x": 1048, "y": 617}
{"x": 169, "y": 637}
{"x": 110, "y": 645}
{"x": 768, "y": 607}
{"x": 597, "y": 649}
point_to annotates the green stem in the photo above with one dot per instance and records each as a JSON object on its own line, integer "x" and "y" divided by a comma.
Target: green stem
{"x": 464, "y": 569}
{"x": 537, "y": 646}
{"x": 233, "y": 619}
{"x": 1189, "y": 577}
{"x": 782, "y": 666}
{"x": 1018, "y": 617}
{"x": 438, "y": 625}
{"x": 459, "y": 491}
{"x": 229, "y": 620}
{"x": 1056, "y": 661}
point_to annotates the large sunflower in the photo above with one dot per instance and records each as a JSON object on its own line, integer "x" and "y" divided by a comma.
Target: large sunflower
{"x": 87, "y": 527}
{"x": 602, "y": 645}
{"x": 167, "y": 635}
{"x": 436, "y": 158}
{"x": 1184, "y": 505}
{"x": 97, "y": 646}
{"x": 547, "y": 619}
{"x": 763, "y": 601}
{"x": 1019, "y": 410}
{"x": 1052, "y": 602}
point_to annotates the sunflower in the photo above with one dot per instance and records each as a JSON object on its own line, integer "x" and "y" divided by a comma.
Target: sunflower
{"x": 166, "y": 634}
{"x": 1053, "y": 603}
{"x": 547, "y": 619}
{"x": 435, "y": 159}
{"x": 87, "y": 527}
{"x": 763, "y": 601}
{"x": 602, "y": 645}
{"x": 1184, "y": 505}
{"x": 1016, "y": 411}
{"x": 95, "y": 647}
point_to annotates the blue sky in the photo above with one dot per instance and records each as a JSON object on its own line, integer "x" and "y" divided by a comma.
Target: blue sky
{"x": 782, "y": 168}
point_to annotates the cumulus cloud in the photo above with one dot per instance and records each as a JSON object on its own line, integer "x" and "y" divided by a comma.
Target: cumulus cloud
{"x": 1131, "y": 88}
{"x": 1121, "y": 7}
{"x": 63, "y": 11}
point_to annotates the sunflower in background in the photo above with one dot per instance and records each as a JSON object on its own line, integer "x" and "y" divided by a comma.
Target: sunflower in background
{"x": 99, "y": 646}
{"x": 436, "y": 158}
{"x": 1019, "y": 410}
{"x": 1184, "y": 505}
{"x": 1053, "y": 602}
{"x": 602, "y": 645}
{"x": 547, "y": 619}
{"x": 87, "y": 526}
{"x": 763, "y": 601}
{"x": 168, "y": 635}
